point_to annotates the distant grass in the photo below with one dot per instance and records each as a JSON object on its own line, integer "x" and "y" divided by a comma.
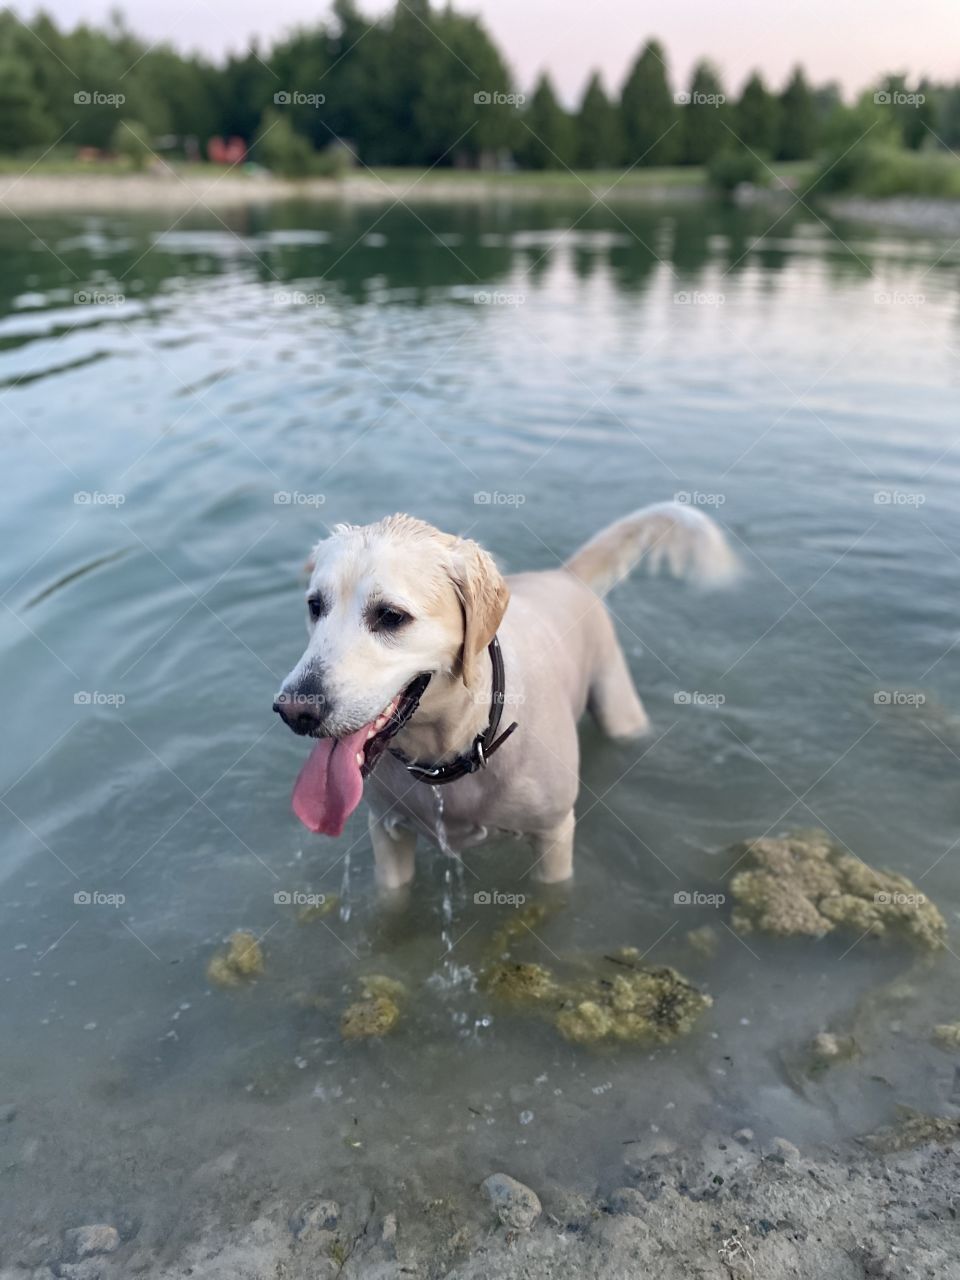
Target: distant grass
{"x": 547, "y": 180}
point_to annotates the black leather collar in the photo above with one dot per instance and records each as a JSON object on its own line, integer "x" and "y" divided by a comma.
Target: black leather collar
{"x": 483, "y": 745}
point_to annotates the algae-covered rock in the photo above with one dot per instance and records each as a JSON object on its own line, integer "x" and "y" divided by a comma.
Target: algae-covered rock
{"x": 648, "y": 1004}
{"x": 241, "y": 958}
{"x": 948, "y": 1033}
{"x": 913, "y": 1129}
{"x": 374, "y": 1016}
{"x": 804, "y": 885}
{"x": 319, "y": 910}
{"x": 643, "y": 1004}
{"x": 377, "y": 1011}
{"x": 520, "y": 983}
{"x": 829, "y": 1048}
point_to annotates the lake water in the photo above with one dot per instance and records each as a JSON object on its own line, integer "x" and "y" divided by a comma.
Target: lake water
{"x": 240, "y": 382}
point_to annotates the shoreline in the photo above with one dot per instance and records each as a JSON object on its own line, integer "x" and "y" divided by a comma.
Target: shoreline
{"x": 121, "y": 192}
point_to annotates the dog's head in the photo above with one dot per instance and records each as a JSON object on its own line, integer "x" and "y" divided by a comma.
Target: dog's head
{"x": 387, "y": 604}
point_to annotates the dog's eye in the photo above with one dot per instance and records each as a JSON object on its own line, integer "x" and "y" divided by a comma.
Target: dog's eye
{"x": 316, "y": 607}
{"x": 387, "y": 618}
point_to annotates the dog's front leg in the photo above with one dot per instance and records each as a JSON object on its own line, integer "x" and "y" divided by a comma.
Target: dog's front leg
{"x": 554, "y": 850}
{"x": 393, "y": 853}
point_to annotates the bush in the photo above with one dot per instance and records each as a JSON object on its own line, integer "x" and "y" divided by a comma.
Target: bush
{"x": 731, "y": 169}
{"x": 281, "y": 150}
{"x": 131, "y": 141}
{"x": 882, "y": 169}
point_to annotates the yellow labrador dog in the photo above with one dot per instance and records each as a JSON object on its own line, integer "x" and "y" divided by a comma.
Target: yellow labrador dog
{"x": 428, "y": 674}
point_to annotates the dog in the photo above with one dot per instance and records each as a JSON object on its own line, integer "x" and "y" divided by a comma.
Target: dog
{"x": 420, "y": 650}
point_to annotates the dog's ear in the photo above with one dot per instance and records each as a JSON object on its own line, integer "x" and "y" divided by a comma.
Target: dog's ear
{"x": 483, "y": 596}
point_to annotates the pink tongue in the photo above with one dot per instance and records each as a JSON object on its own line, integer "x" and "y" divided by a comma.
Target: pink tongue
{"x": 329, "y": 786}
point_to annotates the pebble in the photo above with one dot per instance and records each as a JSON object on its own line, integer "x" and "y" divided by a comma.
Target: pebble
{"x": 628, "y": 1200}
{"x": 517, "y": 1206}
{"x": 785, "y": 1152}
{"x": 84, "y": 1242}
{"x": 313, "y": 1216}
{"x": 743, "y": 1136}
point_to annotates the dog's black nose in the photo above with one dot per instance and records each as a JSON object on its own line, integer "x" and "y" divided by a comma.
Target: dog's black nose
{"x": 302, "y": 706}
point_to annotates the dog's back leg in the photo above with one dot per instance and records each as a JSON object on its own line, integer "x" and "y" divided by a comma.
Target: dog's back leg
{"x": 612, "y": 698}
{"x": 554, "y": 850}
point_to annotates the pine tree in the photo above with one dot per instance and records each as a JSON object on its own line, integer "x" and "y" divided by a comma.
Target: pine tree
{"x": 599, "y": 142}
{"x": 702, "y": 129}
{"x": 546, "y": 133}
{"x": 648, "y": 112}
{"x": 798, "y": 121}
{"x": 755, "y": 118}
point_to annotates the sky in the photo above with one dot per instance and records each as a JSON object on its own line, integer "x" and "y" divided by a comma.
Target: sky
{"x": 850, "y": 41}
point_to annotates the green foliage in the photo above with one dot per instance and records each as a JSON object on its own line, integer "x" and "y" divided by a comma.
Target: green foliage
{"x": 648, "y": 112}
{"x": 599, "y": 141}
{"x": 704, "y": 130}
{"x": 757, "y": 117}
{"x": 797, "y": 120}
{"x": 732, "y": 168}
{"x": 547, "y": 133}
{"x": 424, "y": 85}
{"x": 131, "y": 140}
{"x": 279, "y": 148}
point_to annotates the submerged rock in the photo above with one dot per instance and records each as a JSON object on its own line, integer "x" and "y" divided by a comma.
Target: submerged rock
{"x": 241, "y": 958}
{"x": 828, "y": 1048}
{"x": 89, "y": 1241}
{"x": 913, "y": 1129}
{"x": 517, "y": 1206}
{"x": 306, "y": 915}
{"x": 643, "y": 1004}
{"x": 948, "y": 1033}
{"x": 804, "y": 885}
{"x": 371, "y": 1017}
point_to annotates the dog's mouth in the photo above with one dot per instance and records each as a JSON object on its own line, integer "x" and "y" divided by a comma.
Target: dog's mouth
{"x": 330, "y": 784}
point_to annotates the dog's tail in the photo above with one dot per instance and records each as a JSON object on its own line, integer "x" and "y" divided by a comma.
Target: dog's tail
{"x": 682, "y": 537}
